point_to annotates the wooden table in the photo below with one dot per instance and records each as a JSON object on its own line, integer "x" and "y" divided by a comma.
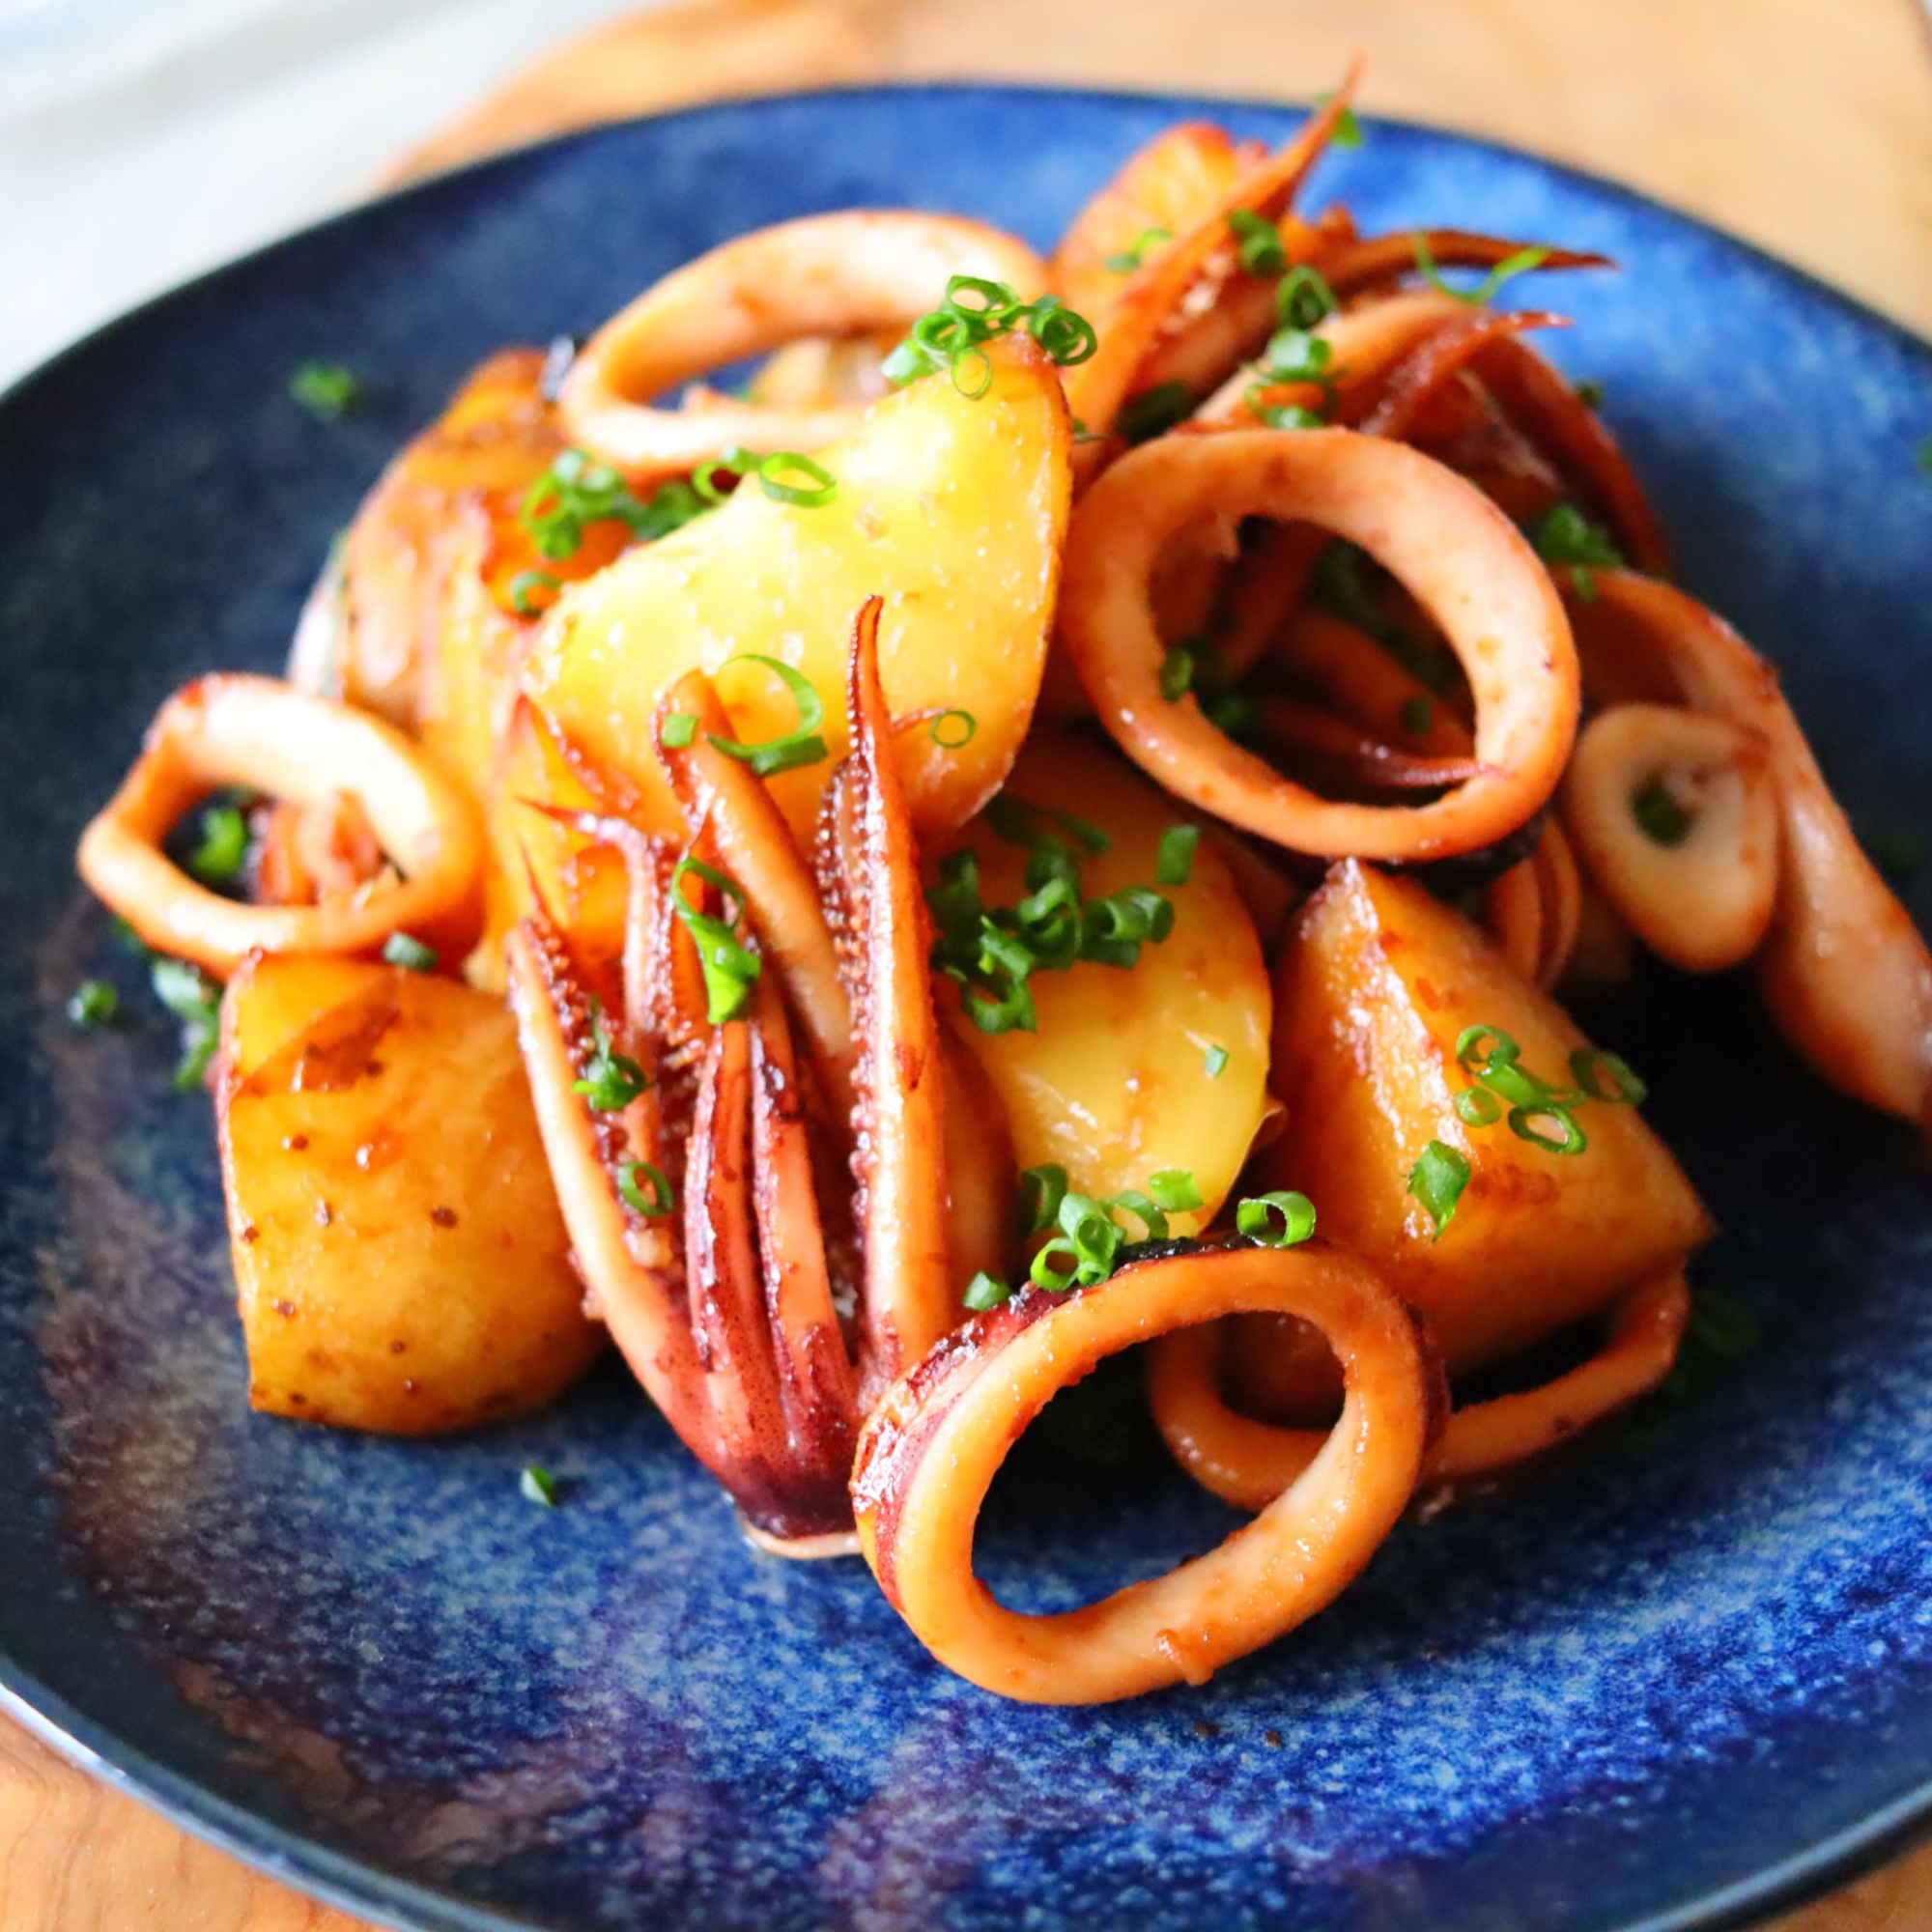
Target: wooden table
{"x": 1805, "y": 125}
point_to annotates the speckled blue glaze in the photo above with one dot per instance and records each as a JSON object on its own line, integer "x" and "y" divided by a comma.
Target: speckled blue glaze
{"x": 1658, "y": 1684}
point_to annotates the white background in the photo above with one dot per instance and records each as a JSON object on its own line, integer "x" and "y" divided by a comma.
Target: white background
{"x": 142, "y": 141}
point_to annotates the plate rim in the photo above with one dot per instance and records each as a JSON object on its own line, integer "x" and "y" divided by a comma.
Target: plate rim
{"x": 357, "y": 1885}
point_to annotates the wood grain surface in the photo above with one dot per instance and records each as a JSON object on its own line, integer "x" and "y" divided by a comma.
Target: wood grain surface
{"x": 1804, "y": 124}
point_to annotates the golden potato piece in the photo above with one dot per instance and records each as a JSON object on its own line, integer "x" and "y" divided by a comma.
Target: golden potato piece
{"x": 1118, "y": 1081}
{"x": 1377, "y": 980}
{"x": 951, "y": 507}
{"x": 399, "y": 1259}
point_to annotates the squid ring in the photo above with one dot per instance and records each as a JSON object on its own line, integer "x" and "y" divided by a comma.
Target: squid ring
{"x": 932, "y": 1449}
{"x": 1705, "y": 900}
{"x": 269, "y": 737}
{"x": 1455, "y": 552}
{"x": 824, "y": 274}
{"x": 1249, "y": 1463}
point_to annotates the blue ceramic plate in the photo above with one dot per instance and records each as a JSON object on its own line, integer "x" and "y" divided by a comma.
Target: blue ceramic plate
{"x": 1665, "y": 1683}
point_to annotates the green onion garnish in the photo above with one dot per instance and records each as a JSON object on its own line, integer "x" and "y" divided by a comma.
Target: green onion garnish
{"x": 1233, "y": 712}
{"x": 1152, "y": 411}
{"x": 1589, "y": 1063}
{"x": 1566, "y": 536}
{"x": 538, "y": 1486}
{"x": 1177, "y": 673}
{"x": 1590, "y": 393}
{"x": 1041, "y": 1191}
{"x": 1298, "y": 356}
{"x": 1418, "y": 714}
{"x": 94, "y": 1002}
{"x": 964, "y": 727}
{"x": 613, "y": 1079}
{"x": 223, "y": 846}
{"x": 325, "y": 390}
{"x": 680, "y": 728}
{"x": 1303, "y": 298}
{"x": 1149, "y": 1212}
{"x": 1291, "y": 415}
{"x": 1658, "y": 815}
{"x": 402, "y": 949}
{"x": 576, "y": 492}
{"x": 1174, "y": 866}
{"x": 1176, "y": 1189}
{"x": 818, "y": 488}
{"x": 731, "y": 969}
{"x": 1254, "y": 1218}
{"x": 1216, "y": 1062}
{"x": 1478, "y": 1107}
{"x": 1136, "y": 252}
{"x": 973, "y": 312}
{"x": 1522, "y": 263}
{"x": 655, "y": 1205}
{"x": 195, "y": 999}
{"x": 1569, "y": 1136}
{"x": 1260, "y": 249}
{"x": 1437, "y": 1181}
{"x": 1348, "y": 129}
{"x": 799, "y": 745}
{"x": 986, "y": 1290}
{"x": 527, "y": 583}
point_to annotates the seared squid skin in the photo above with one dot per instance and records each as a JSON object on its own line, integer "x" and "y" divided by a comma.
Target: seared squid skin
{"x": 1455, "y": 550}
{"x": 1844, "y": 970}
{"x": 268, "y": 737}
{"x": 931, "y": 1448}
{"x": 1248, "y": 1461}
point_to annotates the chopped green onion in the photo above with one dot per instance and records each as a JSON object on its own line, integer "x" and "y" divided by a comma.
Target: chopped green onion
{"x": 576, "y": 492}
{"x": 1291, "y": 415}
{"x": 1176, "y": 1189}
{"x": 951, "y": 335}
{"x": 1569, "y": 1138}
{"x": 195, "y": 999}
{"x": 1082, "y": 434}
{"x": 1658, "y": 815}
{"x": 1478, "y": 1107}
{"x": 325, "y": 390}
{"x": 680, "y": 727}
{"x": 613, "y": 1079}
{"x": 1298, "y": 356}
{"x": 1418, "y": 715}
{"x": 818, "y": 488}
{"x": 1041, "y": 1191}
{"x": 1437, "y": 1181}
{"x": 1044, "y": 1273}
{"x": 1566, "y": 536}
{"x": 1254, "y": 1218}
{"x": 525, "y": 583}
{"x": 1303, "y": 298}
{"x": 986, "y": 1290}
{"x": 655, "y": 1205}
{"x": 1233, "y": 712}
{"x": 1096, "y": 1236}
{"x": 1340, "y": 586}
{"x": 1520, "y": 263}
{"x": 737, "y": 461}
{"x": 1136, "y": 252}
{"x": 1589, "y": 1063}
{"x": 1348, "y": 129}
{"x": 955, "y": 740}
{"x": 1261, "y": 248}
{"x": 223, "y": 846}
{"x": 1145, "y": 1209}
{"x": 731, "y": 969}
{"x": 1174, "y": 864}
{"x": 1216, "y": 1062}
{"x": 1068, "y": 338}
{"x": 402, "y": 949}
{"x": 1153, "y": 411}
{"x": 1590, "y": 393}
{"x": 1177, "y": 673}
{"x": 1471, "y": 1042}
{"x": 1012, "y": 818}
{"x": 538, "y": 1486}
{"x": 799, "y": 745}
{"x": 94, "y": 1002}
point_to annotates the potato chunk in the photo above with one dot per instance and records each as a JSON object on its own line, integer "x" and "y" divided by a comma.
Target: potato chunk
{"x": 1377, "y": 980}
{"x": 1119, "y": 1082}
{"x": 400, "y": 1258}
{"x": 952, "y": 507}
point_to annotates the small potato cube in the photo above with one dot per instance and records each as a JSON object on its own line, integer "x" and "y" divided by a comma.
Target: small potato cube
{"x": 1377, "y": 980}
{"x": 400, "y": 1258}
